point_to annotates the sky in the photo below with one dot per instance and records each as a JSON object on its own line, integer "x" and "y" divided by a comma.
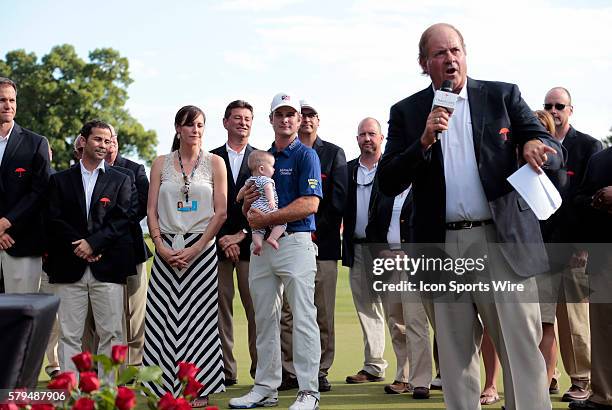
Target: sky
{"x": 350, "y": 59}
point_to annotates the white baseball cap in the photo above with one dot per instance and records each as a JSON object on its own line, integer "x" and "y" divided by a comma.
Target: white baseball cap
{"x": 284, "y": 100}
{"x": 307, "y": 104}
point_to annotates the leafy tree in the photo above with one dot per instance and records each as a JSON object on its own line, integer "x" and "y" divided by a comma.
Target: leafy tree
{"x": 57, "y": 94}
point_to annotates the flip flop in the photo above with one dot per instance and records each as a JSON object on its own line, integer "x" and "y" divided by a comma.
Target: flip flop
{"x": 487, "y": 399}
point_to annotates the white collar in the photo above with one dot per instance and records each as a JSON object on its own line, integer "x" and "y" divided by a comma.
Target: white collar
{"x": 99, "y": 167}
{"x": 230, "y": 150}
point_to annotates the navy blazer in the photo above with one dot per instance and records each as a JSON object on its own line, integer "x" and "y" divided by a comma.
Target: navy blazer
{"x": 379, "y": 219}
{"x": 24, "y": 175}
{"x": 235, "y": 221}
{"x": 106, "y": 228}
{"x": 141, "y": 249}
{"x": 334, "y": 185}
{"x": 493, "y": 106}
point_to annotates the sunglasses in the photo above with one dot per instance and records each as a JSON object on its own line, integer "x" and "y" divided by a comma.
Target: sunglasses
{"x": 558, "y": 106}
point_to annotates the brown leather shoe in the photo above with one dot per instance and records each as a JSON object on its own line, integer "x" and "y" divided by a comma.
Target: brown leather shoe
{"x": 420, "y": 393}
{"x": 363, "y": 377}
{"x": 576, "y": 393}
{"x": 398, "y": 388}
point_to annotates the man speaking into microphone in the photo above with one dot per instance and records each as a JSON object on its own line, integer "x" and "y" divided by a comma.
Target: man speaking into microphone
{"x": 461, "y": 198}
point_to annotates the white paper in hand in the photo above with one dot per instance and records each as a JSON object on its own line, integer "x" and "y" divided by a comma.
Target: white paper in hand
{"x": 537, "y": 190}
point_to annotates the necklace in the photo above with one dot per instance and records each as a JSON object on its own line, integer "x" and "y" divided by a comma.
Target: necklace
{"x": 187, "y": 179}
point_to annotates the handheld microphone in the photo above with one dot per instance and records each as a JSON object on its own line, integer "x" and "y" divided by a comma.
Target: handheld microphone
{"x": 444, "y": 97}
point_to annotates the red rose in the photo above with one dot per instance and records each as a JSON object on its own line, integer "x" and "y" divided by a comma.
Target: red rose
{"x": 84, "y": 403}
{"x": 166, "y": 402}
{"x": 126, "y": 399}
{"x": 89, "y": 382}
{"x": 182, "y": 404}
{"x": 83, "y": 361}
{"x": 42, "y": 407}
{"x": 119, "y": 353}
{"x": 9, "y": 406}
{"x": 187, "y": 371}
{"x": 193, "y": 388}
{"x": 211, "y": 408}
{"x": 63, "y": 381}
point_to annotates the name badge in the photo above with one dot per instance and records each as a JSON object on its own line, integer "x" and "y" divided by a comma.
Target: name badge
{"x": 187, "y": 206}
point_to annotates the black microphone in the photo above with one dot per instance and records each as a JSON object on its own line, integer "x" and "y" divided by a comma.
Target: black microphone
{"x": 444, "y": 97}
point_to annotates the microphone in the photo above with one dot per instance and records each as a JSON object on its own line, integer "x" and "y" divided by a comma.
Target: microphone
{"x": 444, "y": 97}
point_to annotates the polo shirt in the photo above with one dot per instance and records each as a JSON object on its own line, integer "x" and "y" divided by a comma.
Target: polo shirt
{"x": 297, "y": 172}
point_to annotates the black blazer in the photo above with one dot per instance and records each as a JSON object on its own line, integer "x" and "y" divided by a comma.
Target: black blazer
{"x": 350, "y": 212}
{"x": 379, "y": 219}
{"x": 235, "y": 221}
{"x": 595, "y": 225}
{"x": 141, "y": 250}
{"x": 493, "y": 106}
{"x": 106, "y": 228}
{"x": 334, "y": 184}
{"x": 562, "y": 225}
{"x": 24, "y": 175}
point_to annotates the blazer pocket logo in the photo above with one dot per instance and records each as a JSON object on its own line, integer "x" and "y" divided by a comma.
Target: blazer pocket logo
{"x": 20, "y": 171}
{"x": 105, "y": 201}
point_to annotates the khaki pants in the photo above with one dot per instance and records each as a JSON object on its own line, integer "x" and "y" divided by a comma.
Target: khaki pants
{"x": 135, "y": 304}
{"x": 325, "y": 301}
{"x": 226, "y": 313}
{"x": 290, "y": 270}
{"x": 371, "y": 315}
{"x": 107, "y": 307}
{"x": 515, "y": 328}
{"x": 20, "y": 274}
{"x": 51, "y": 352}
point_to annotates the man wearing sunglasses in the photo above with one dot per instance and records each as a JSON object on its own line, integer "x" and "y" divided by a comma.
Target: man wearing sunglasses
{"x": 572, "y": 318}
{"x": 361, "y": 189}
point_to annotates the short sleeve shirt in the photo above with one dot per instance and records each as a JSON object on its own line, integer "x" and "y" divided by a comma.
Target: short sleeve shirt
{"x": 297, "y": 172}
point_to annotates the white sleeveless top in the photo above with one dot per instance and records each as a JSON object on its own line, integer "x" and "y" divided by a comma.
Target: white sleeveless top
{"x": 173, "y": 221}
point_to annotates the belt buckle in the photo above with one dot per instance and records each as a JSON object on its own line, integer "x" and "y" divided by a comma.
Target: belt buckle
{"x": 468, "y": 225}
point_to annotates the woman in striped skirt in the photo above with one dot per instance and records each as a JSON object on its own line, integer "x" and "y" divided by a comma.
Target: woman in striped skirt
{"x": 186, "y": 208}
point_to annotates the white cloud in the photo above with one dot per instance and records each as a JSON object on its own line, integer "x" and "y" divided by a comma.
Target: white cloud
{"x": 257, "y": 5}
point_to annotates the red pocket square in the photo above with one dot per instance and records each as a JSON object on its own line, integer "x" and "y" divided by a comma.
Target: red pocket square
{"x": 504, "y": 133}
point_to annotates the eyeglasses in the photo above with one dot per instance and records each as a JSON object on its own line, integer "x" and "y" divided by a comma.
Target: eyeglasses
{"x": 558, "y": 106}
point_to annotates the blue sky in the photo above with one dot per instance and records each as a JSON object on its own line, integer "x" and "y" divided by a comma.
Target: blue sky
{"x": 352, "y": 59}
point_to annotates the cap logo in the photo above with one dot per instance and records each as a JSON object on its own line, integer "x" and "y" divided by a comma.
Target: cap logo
{"x": 285, "y": 98}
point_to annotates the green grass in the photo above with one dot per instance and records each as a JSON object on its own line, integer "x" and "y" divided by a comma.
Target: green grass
{"x": 348, "y": 360}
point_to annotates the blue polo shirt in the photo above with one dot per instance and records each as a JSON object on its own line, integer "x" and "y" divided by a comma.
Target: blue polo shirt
{"x": 297, "y": 172}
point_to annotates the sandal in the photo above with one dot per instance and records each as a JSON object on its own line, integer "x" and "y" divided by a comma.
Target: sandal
{"x": 199, "y": 402}
{"x": 487, "y": 398}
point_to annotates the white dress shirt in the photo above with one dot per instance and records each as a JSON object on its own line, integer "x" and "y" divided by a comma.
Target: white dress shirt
{"x": 235, "y": 160}
{"x": 89, "y": 182}
{"x": 4, "y": 142}
{"x": 365, "y": 177}
{"x": 465, "y": 196}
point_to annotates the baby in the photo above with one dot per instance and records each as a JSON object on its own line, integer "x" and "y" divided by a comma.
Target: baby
{"x": 261, "y": 164}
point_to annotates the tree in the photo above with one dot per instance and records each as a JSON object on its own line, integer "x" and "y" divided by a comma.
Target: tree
{"x": 59, "y": 93}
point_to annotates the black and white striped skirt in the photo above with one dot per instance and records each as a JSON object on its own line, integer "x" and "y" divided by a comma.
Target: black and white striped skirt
{"x": 181, "y": 320}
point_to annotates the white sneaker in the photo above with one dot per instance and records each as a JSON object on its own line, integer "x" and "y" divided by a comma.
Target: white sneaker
{"x": 436, "y": 384}
{"x": 252, "y": 400}
{"x": 306, "y": 400}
